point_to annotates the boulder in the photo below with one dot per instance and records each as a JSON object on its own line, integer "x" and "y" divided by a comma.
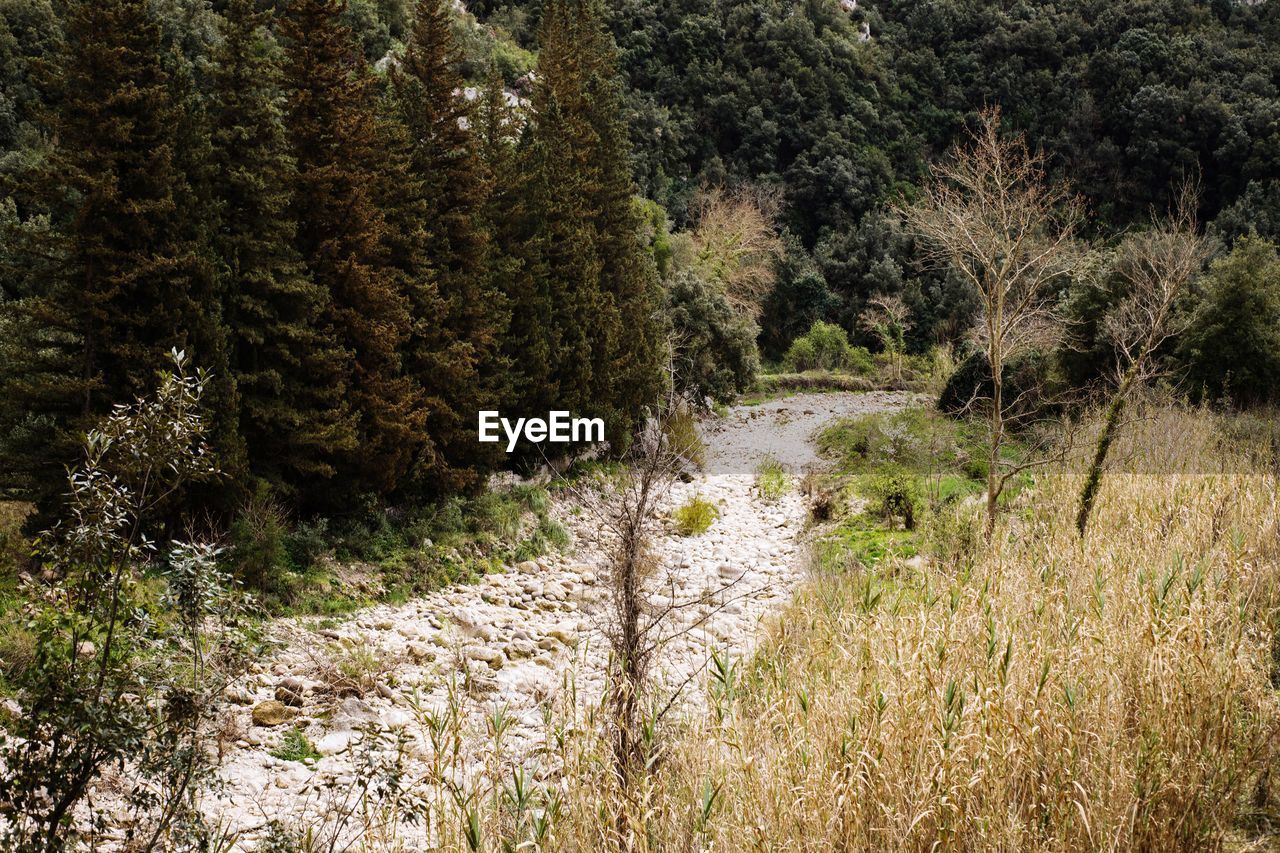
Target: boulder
{"x": 271, "y": 713}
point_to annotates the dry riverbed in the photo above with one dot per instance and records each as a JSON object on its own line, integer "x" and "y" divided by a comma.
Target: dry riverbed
{"x": 515, "y": 640}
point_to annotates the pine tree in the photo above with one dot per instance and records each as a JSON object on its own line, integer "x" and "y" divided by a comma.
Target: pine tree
{"x": 288, "y": 367}
{"x": 628, "y": 372}
{"x": 342, "y": 237}
{"x": 454, "y": 352}
{"x": 135, "y": 276}
{"x": 588, "y": 293}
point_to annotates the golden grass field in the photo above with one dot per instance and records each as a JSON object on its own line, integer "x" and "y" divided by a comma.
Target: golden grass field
{"x": 1037, "y": 693}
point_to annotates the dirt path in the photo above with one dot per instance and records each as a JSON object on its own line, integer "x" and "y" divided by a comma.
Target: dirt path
{"x": 513, "y": 639}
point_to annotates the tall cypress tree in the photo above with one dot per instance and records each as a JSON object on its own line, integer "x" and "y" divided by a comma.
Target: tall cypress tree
{"x": 453, "y": 353}
{"x": 288, "y": 366}
{"x": 586, "y": 278}
{"x": 342, "y": 237}
{"x": 629, "y": 354}
{"x": 134, "y": 275}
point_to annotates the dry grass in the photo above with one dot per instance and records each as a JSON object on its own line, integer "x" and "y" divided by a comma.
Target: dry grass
{"x": 1037, "y": 694}
{"x": 1046, "y": 695}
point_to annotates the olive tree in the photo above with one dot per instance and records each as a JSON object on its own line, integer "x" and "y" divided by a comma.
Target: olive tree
{"x": 121, "y": 677}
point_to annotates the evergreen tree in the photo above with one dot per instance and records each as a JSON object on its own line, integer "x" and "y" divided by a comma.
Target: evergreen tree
{"x": 629, "y": 373}
{"x": 586, "y": 300}
{"x": 454, "y": 351}
{"x": 342, "y": 236}
{"x": 288, "y": 367}
{"x": 1231, "y": 348}
{"x": 134, "y": 276}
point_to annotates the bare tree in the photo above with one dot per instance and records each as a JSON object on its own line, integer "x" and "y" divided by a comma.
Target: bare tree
{"x": 989, "y": 212}
{"x": 888, "y": 318}
{"x": 1157, "y": 265}
{"x": 644, "y": 593}
{"x": 734, "y": 244}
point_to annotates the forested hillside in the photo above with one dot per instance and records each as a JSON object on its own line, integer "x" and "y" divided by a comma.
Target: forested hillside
{"x": 368, "y": 221}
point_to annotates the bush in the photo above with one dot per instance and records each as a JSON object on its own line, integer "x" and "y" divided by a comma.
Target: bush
{"x": 715, "y": 347}
{"x": 696, "y": 516}
{"x": 802, "y": 355}
{"x": 1027, "y": 380}
{"x": 772, "y": 481}
{"x": 1232, "y": 347}
{"x": 15, "y": 548}
{"x": 893, "y": 495}
{"x": 259, "y": 537}
{"x": 826, "y": 347}
{"x": 681, "y": 430}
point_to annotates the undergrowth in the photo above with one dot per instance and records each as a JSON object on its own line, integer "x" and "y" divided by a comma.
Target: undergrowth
{"x": 695, "y": 516}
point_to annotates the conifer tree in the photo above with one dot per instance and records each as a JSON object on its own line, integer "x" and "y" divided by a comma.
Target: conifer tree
{"x": 453, "y": 352}
{"x": 342, "y": 236}
{"x": 628, "y": 371}
{"x": 288, "y": 366}
{"x": 592, "y": 290}
{"x": 134, "y": 275}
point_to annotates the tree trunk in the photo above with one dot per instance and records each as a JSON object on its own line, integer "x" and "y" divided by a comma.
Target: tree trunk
{"x": 993, "y": 457}
{"x": 1093, "y": 480}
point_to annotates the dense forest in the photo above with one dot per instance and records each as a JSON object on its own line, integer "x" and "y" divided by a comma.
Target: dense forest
{"x": 367, "y": 221}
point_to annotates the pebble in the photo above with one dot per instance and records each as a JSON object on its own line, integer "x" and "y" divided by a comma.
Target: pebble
{"x": 518, "y": 632}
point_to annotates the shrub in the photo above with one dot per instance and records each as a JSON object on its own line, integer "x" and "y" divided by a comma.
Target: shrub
{"x": 681, "y": 430}
{"x": 696, "y": 516}
{"x": 1232, "y": 346}
{"x": 802, "y": 355}
{"x": 826, "y": 347}
{"x": 715, "y": 347}
{"x": 121, "y": 677}
{"x": 259, "y": 537}
{"x": 772, "y": 481}
{"x": 1028, "y": 379}
{"x": 893, "y": 495}
{"x": 15, "y": 548}
{"x": 307, "y": 543}
{"x": 859, "y": 360}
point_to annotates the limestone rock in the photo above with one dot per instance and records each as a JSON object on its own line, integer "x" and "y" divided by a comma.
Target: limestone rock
{"x": 271, "y": 713}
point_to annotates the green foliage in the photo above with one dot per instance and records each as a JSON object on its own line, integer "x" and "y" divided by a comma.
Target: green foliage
{"x": 260, "y": 543}
{"x": 569, "y": 219}
{"x": 352, "y": 190}
{"x": 826, "y": 347}
{"x": 1231, "y": 348}
{"x": 120, "y": 205}
{"x": 455, "y": 356}
{"x": 287, "y": 369}
{"x": 893, "y": 494}
{"x": 695, "y": 516}
{"x": 120, "y": 675}
{"x": 772, "y": 480}
{"x": 856, "y": 545}
{"x": 294, "y": 746}
{"x": 680, "y": 429}
{"x": 714, "y": 346}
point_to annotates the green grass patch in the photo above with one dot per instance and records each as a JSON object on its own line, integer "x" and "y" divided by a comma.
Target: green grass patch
{"x": 859, "y": 542}
{"x": 772, "y": 480}
{"x": 332, "y": 567}
{"x": 295, "y": 746}
{"x": 696, "y": 516}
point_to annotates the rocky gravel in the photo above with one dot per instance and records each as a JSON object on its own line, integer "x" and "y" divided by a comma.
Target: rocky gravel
{"x": 515, "y": 639}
